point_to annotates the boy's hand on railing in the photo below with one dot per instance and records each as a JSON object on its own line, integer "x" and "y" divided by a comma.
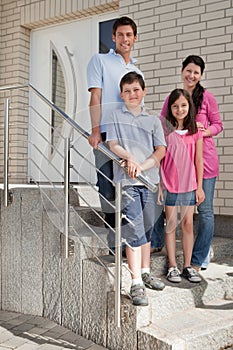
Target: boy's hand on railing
{"x": 134, "y": 168}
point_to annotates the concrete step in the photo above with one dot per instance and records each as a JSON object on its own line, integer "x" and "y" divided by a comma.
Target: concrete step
{"x": 177, "y": 302}
{"x": 209, "y": 327}
{"x": 217, "y": 282}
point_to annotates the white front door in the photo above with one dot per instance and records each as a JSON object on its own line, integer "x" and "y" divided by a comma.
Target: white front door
{"x": 59, "y": 57}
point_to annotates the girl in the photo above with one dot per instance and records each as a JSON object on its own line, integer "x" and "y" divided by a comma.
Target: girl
{"x": 182, "y": 174}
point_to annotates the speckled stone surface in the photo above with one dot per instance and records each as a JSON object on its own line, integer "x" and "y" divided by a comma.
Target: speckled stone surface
{"x": 78, "y": 292}
{"x": 95, "y": 300}
{"x": 11, "y": 255}
{"x": 32, "y": 252}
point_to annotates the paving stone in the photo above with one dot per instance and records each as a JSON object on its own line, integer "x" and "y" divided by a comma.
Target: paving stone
{"x": 28, "y": 346}
{"x": 24, "y": 332}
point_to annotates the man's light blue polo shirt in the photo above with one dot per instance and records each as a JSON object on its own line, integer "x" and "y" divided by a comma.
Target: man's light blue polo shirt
{"x": 105, "y": 71}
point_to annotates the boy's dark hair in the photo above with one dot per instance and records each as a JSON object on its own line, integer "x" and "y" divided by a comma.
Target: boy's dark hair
{"x": 124, "y": 21}
{"x": 189, "y": 121}
{"x": 130, "y": 78}
{"x": 198, "y": 92}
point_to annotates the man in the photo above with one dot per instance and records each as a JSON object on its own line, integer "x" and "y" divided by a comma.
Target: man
{"x": 104, "y": 73}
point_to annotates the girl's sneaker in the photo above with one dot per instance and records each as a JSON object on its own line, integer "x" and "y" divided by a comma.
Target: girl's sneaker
{"x": 191, "y": 274}
{"x": 173, "y": 274}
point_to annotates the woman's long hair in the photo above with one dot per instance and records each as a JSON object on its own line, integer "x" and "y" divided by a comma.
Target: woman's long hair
{"x": 170, "y": 121}
{"x": 197, "y": 94}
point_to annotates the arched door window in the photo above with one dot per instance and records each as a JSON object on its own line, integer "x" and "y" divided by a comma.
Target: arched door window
{"x": 58, "y": 98}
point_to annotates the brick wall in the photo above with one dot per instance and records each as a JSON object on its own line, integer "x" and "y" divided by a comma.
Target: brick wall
{"x": 168, "y": 32}
{"x": 14, "y": 69}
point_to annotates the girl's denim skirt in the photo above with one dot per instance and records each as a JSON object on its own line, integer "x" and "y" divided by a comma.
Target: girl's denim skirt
{"x": 180, "y": 199}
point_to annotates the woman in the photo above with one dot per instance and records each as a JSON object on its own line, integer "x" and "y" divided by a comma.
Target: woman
{"x": 208, "y": 119}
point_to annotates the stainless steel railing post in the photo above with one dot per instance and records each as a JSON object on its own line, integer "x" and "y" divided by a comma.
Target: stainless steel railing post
{"x": 118, "y": 254}
{"x": 66, "y": 195}
{"x": 6, "y": 151}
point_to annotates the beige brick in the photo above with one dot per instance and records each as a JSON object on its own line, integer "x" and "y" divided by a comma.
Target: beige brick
{"x": 144, "y": 14}
{"x": 166, "y": 9}
{"x": 221, "y": 73}
{"x": 147, "y": 20}
{"x": 165, "y": 25}
{"x": 219, "y": 40}
{"x": 148, "y": 5}
{"x": 212, "y": 16}
{"x": 225, "y": 210}
{"x": 219, "y": 203}
{"x": 219, "y": 6}
{"x": 188, "y": 20}
{"x": 213, "y": 32}
{"x": 171, "y": 47}
{"x": 209, "y": 84}
{"x": 193, "y": 44}
{"x": 170, "y": 16}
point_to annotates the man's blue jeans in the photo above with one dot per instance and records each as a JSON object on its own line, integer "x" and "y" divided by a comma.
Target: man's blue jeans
{"x": 105, "y": 187}
{"x": 158, "y": 235}
{"x": 205, "y": 224}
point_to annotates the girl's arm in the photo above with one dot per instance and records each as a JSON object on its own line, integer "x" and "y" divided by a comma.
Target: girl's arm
{"x": 200, "y": 195}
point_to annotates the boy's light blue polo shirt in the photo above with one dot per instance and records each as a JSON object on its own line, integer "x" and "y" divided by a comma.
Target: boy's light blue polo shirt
{"x": 105, "y": 71}
{"x": 139, "y": 135}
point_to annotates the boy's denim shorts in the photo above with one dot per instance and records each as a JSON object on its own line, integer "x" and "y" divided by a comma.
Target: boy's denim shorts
{"x": 142, "y": 212}
{"x": 180, "y": 199}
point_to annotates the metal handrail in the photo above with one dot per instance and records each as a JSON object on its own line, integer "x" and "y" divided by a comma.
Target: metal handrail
{"x": 6, "y": 152}
{"x": 152, "y": 187}
{"x": 101, "y": 147}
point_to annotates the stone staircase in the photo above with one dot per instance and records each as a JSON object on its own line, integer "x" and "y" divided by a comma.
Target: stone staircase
{"x": 183, "y": 316}
{"x": 78, "y": 292}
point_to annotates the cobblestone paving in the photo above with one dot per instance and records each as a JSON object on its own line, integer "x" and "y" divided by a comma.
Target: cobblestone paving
{"x": 24, "y": 332}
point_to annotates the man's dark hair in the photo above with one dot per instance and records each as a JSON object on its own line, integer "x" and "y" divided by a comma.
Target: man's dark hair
{"x": 130, "y": 78}
{"x": 124, "y": 21}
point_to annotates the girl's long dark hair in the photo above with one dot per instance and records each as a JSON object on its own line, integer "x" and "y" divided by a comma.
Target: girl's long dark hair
{"x": 197, "y": 94}
{"x": 170, "y": 121}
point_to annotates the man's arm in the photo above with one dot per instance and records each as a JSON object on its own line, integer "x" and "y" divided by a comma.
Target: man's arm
{"x": 95, "y": 113}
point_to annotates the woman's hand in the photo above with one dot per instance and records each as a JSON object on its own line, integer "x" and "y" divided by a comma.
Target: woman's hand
{"x": 160, "y": 195}
{"x": 200, "y": 196}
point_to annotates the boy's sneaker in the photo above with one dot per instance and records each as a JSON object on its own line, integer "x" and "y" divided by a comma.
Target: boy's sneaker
{"x": 152, "y": 282}
{"x": 173, "y": 274}
{"x": 138, "y": 295}
{"x": 191, "y": 274}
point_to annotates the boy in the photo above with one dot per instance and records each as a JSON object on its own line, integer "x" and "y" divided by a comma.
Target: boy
{"x": 137, "y": 138}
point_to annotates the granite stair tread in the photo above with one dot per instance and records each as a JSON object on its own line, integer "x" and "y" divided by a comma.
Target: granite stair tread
{"x": 207, "y": 327}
